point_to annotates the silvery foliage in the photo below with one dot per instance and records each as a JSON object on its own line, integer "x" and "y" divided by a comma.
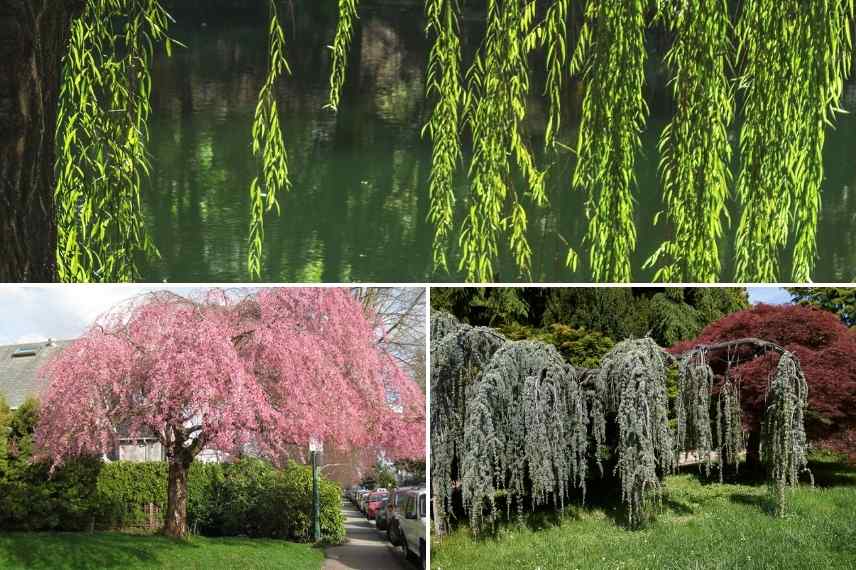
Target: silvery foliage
{"x": 783, "y": 438}
{"x": 458, "y": 354}
{"x": 632, "y": 380}
{"x": 525, "y": 433}
{"x": 729, "y": 425}
{"x": 692, "y": 406}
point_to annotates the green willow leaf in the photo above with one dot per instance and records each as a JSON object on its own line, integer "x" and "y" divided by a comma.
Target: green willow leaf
{"x": 444, "y": 82}
{"x": 499, "y": 84}
{"x": 102, "y": 134}
{"x": 268, "y": 147}
{"x": 610, "y": 56}
{"x": 695, "y": 149}
{"x": 341, "y": 46}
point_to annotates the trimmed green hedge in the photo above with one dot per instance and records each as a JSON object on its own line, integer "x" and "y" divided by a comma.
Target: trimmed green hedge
{"x": 249, "y": 497}
{"x": 246, "y": 498}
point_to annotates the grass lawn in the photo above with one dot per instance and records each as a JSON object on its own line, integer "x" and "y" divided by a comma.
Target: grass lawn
{"x": 116, "y": 550}
{"x": 702, "y": 525}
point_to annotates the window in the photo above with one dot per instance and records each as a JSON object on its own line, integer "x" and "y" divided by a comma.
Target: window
{"x": 421, "y": 506}
{"x": 24, "y": 351}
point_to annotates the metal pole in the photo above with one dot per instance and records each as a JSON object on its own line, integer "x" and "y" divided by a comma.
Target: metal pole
{"x": 316, "y": 500}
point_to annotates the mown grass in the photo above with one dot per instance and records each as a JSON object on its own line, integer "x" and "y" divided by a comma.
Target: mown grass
{"x": 702, "y": 524}
{"x": 117, "y": 550}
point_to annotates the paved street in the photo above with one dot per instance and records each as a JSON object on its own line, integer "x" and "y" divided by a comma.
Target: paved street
{"x": 366, "y": 548}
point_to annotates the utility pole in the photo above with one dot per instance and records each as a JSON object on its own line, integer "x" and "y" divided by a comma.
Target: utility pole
{"x": 314, "y": 449}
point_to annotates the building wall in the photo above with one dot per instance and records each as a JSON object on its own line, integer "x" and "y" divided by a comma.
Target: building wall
{"x": 140, "y": 450}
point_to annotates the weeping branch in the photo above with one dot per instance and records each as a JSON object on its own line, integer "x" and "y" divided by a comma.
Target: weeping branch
{"x": 341, "y": 46}
{"x": 268, "y": 147}
{"x": 444, "y": 82}
{"x": 695, "y": 150}
{"x": 610, "y": 56}
{"x": 102, "y": 134}
{"x": 499, "y": 84}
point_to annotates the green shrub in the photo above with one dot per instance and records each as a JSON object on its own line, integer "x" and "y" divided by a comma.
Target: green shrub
{"x": 249, "y": 497}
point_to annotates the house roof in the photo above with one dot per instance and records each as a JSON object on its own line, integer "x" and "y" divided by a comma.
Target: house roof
{"x": 19, "y": 378}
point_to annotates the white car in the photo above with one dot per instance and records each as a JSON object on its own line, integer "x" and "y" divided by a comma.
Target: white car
{"x": 413, "y": 524}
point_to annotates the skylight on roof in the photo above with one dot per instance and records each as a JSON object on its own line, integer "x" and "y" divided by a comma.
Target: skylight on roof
{"x": 24, "y": 351}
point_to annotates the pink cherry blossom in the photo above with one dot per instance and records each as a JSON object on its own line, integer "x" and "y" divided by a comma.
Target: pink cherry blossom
{"x": 257, "y": 374}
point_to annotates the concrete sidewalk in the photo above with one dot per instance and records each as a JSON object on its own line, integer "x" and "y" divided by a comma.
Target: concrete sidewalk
{"x": 365, "y": 548}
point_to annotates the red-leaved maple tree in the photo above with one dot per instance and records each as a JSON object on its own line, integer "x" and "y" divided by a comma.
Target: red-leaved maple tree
{"x": 259, "y": 374}
{"x": 826, "y": 350}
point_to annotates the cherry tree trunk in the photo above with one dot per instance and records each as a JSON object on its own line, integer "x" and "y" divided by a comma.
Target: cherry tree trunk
{"x": 33, "y": 39}
{"x": 175, "y": 521}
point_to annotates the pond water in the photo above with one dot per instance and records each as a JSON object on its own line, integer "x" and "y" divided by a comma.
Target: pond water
{"x": 357, "y": 209}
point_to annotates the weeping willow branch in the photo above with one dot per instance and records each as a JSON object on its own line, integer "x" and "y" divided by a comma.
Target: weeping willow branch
{"x": 341, "y": 46}
{"x": 102, "y": 133}
{"x": 554, "y": 41}
{"x": 825, "y": 46}
{"x": 499, "y": 81}
{"x": 796, "y": 55}
{"x": 610, "y": 56}
{"x": 444, "y": 83}
{"x": 694, "y": 145}
{"x": 268, "y": 147}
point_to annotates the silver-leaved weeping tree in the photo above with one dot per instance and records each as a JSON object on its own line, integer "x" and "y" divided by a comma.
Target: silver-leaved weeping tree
{"x": 513, "y": 419}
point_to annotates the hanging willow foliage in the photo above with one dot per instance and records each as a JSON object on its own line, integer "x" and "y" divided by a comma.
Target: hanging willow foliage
{"x": 826, "y": 48}
{"x": 610, "y": 56}
{"x": 444, "y": 82}
{"x": 796, "y": 56}
{"x": 268, "y": 146}
{"x": 340, "y": 48}
{"x": 783, "y": 440}
{"x": 513, "y": 420}
{"x": 102, "y": 133}
{"x": 694, "y": 146}
{"x": 499, "y": 84}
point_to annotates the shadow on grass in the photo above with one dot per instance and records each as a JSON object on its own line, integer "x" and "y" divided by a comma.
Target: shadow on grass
{"x": 79, "y": 550}
{"x": 761, "y": 502}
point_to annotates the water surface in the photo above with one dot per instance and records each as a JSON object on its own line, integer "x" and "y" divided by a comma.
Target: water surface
{"x": 357, "y": 209}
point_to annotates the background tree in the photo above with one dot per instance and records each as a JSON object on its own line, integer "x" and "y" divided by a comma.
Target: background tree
{"x": 667, "y": 314}
{"x": 824, "y": 346}
{"x": 839, "y": 300}
{"x": 255, "y": 375}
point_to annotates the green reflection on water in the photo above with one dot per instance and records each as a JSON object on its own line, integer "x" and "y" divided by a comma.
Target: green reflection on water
{"x": 357, "y": 210}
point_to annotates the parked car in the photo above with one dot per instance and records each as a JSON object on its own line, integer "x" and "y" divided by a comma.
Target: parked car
{"x": 382, "y": 516}
{"x": 392, "y": 507}
{"x": 412, "y": 524}
{"x": 364, "y": 499}
{"x": 374, "y": 503}
{"x": 359, "y": 500}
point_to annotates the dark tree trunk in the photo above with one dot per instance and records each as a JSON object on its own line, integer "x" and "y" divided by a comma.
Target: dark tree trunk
{"x": 33, "y": 39}
{"x": 175, "y": 522}
{"x": 753, "y": 452}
